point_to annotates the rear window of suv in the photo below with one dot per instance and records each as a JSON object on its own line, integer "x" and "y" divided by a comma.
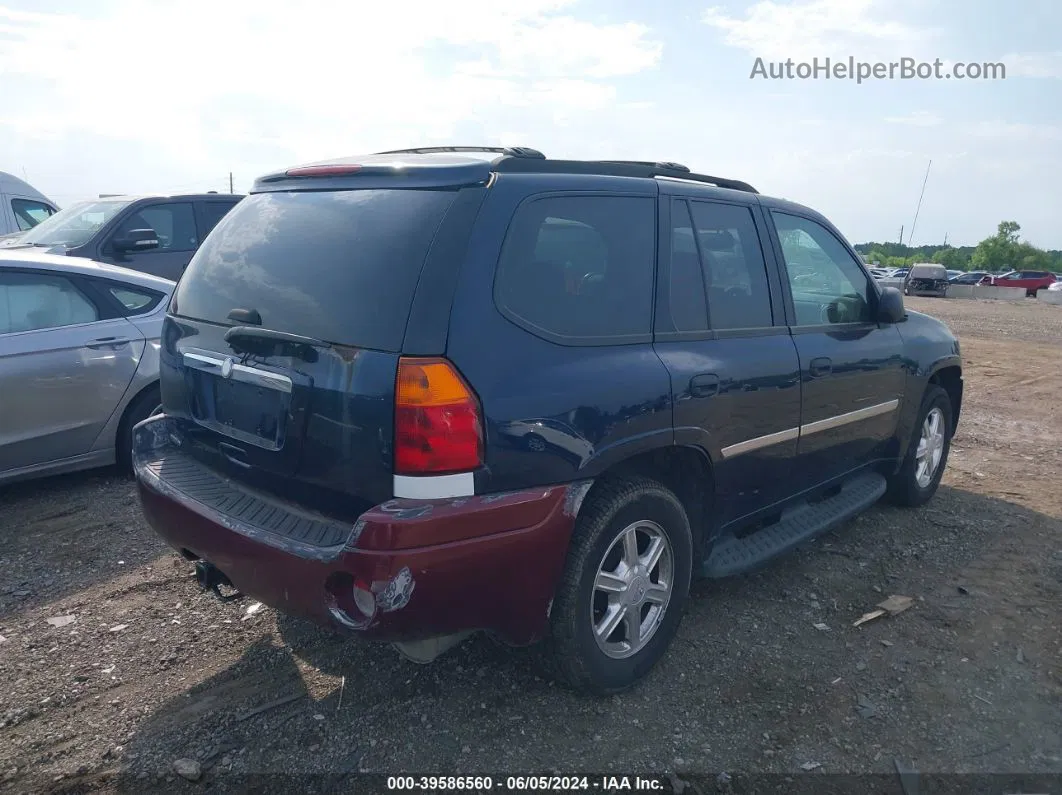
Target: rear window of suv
{"x": 579, "y": 269}
{"x": 339, "y": 266}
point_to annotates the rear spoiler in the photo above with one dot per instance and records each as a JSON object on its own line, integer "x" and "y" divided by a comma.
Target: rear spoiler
{"x": 394, "y": 174}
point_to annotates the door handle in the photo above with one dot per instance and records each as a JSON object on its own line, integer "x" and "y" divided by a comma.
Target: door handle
{"x": 704, "y": 385}
{"x": 234, "y": 454}
{"x": 820, "y": 367}
{"x": 107, "y": 342}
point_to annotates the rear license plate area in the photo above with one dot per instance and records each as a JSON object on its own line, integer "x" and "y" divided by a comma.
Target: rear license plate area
{"x": 247, "y": 412}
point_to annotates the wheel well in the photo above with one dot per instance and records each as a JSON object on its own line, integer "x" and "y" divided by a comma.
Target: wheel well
{"x": 154, "y": 385}
{"x": 687, "y": 472}
{"x": 950, "y": 378}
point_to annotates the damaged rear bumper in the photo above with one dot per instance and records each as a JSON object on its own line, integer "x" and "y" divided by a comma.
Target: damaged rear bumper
{"x": 927, "y": 287}
{"x": 422, "y": 568}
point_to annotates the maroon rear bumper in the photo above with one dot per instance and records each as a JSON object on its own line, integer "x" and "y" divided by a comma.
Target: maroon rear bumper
{"x": 434, "y": 567}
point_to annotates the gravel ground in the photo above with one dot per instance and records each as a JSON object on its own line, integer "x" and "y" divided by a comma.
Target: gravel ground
{"x": 150, "y": 671}
{"x": 1028, "y": 320}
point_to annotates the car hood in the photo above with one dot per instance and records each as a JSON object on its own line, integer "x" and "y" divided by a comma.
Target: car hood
{"x": 16, "y": 242}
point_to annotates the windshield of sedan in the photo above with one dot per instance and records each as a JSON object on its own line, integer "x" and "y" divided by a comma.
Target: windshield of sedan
{"x": 73, "y": 225}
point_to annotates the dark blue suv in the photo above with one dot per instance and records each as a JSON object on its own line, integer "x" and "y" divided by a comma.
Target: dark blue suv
{"x": 422, "y": 393}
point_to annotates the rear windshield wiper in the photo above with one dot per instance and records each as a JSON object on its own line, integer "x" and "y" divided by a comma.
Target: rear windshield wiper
{"x": 266, "y": 342}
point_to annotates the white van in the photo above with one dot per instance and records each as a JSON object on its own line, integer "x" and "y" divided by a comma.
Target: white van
{"x": 22, "y": 206}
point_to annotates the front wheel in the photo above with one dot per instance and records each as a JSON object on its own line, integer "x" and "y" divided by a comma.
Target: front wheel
{"x": 624, "y": 587}
{"x": 927, "y": 454}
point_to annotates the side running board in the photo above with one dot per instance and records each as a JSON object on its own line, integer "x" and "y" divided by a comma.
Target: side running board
{"x": 732, "y": 555}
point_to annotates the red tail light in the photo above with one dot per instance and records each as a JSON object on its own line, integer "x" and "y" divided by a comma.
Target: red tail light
{"x": 336, "y": 170}
{"x": 438, "y": 428}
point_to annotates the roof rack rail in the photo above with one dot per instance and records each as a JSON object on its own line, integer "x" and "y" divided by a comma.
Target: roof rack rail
{"x": 667, "y": 165}
{"x": 618, "y": 168}
{"x": 511, "y": 151}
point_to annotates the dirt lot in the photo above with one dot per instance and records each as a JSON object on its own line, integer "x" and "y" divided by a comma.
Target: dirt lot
{"x": 969, "y": 679}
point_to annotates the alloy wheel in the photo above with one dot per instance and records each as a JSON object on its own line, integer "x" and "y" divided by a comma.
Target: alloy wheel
{"x": 632, "y": 589}
{"x": 930, "y": 448}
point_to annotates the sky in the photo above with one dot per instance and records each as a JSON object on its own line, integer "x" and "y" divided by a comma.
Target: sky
{"x": 135, "y": 96}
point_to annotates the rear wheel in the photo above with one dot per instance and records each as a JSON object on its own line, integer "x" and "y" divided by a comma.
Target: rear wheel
{"x": 624, "y": 588}
{"x": 927, "y": 454}
{"x": 144, "y": 405}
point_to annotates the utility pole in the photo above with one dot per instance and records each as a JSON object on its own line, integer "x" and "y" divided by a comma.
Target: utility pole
{"x": 945, "y": 240}
{"x": 901, "y": 234}
{"x": 230, "y": 183}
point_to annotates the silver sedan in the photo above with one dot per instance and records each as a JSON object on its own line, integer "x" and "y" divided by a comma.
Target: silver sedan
{"x": 79, "y": 361}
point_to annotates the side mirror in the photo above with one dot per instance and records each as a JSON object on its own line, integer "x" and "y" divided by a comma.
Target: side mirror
{"x": 137, "y": 240}
{"x": 890, "y": 306}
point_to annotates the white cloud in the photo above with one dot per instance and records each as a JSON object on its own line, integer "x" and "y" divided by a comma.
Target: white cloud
{"x": 323, "y": 78}
{"x": 919, "y": 118}
{"x": 1014, "y": 132}
{"x": 562, "y": 46}
{"x": 1034, "y": 64}
{"x": 808, "y": 29}
{"x": 142, "y": 95}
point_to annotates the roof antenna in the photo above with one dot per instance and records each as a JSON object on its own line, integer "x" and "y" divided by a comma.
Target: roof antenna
{"x": 910, "y": 238}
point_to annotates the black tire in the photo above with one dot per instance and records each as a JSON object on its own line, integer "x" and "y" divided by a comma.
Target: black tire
{"x": 142, "y": 407}
{"x": 904, "y": 488}
{"x": 571, "y": 652}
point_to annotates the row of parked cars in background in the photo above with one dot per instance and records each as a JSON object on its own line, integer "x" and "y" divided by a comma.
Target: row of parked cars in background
{"x": 932, "y": 279}
{"x": 924, "y": 278}
{"x": 83, "y": 294}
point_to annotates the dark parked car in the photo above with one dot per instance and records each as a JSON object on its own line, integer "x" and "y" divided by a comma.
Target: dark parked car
{"x": 926, "y": 279}
{"x": 414, "y": 395}
{"x": 151, "y": 234}
{"x": 971, "y": 277}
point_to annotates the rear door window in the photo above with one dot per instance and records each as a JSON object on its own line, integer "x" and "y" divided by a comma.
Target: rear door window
{"x": 686, "y": 294}
{"x": 135, "y": 301}
{"x": 580, "y": 269}
{"x": 210, "y": 213}
{"x": 37, "y": 301}
{"x": 339, "y": 266}
{"x": 735, "y": 272}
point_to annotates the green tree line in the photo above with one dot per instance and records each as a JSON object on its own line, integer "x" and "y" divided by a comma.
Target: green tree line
{"x": 1005, "y": 250}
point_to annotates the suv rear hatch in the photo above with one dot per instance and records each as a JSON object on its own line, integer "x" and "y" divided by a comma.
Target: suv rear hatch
{"x": 928, "y": 278}
{"x": 282, "y": 345}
